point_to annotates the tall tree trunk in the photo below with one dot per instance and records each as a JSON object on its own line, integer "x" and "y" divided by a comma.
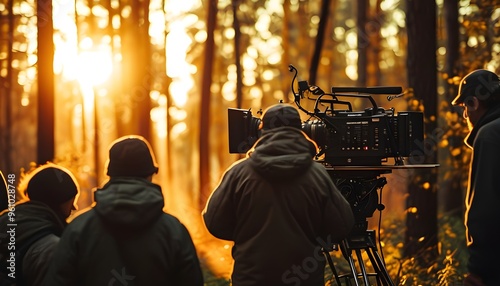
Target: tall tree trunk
{"x": 421, "y": 224}
{"x": 136, "y": 79}
{"x": 451, "y": 202}
{"x": 450, "y": 10}
{"x": 320, "y": 38}
{"x": 363, "y": 41}
{"x": 6, "y": 92}
{"x": 237, "y": 54}
{"x": 166, "y": 81}
{"x": 205, "y": 103}
{"x": 373, "y": 50}
{"x": 45, "y": 122}
{"x": 285, "y": 85}
{"x": 146, "y": 77}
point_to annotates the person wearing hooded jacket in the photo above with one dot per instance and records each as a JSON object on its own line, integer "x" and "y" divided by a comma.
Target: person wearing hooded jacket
{"x": 279, "y": 206}
{"x": 126, "y": 238}
{"x": 39, "y": 220}
{"x": 479, "y": 95}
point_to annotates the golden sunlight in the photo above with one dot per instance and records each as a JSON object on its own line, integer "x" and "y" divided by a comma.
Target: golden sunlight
{"x": 169, "y": 70}
{"x": 94, "y": 65}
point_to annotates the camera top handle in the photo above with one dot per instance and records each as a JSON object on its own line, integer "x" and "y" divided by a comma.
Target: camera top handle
{"x": 339, "y": 91}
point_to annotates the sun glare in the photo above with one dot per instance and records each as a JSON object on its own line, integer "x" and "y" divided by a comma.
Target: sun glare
{"x": 94, "y": 66}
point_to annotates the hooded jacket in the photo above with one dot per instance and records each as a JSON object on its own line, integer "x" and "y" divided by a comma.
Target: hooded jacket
{"x": 32, "y": 219}
{"x": 483, "y": 198}
{"x": 126, "y": 239}
{"x": 280, "y": 208}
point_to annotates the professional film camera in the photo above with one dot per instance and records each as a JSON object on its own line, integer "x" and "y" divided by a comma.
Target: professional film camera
{"x": 344, "y": 137}
{"x": 355, "y": 148}
{"x": 354, "y": 145}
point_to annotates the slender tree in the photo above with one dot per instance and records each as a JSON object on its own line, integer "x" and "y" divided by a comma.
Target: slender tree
{"x": 205, "y": 103}
{"x": 285, "y": 85}
{"x": 421, "y": 231}
{"x": 450, "y": 10}
{"x": 363, "y": 41}
{"x": 450, "y": 200}
{"x": 237, "y": 53}
{"x": 144, "y": 58}
{"x": 45, "y": 122}
{"x": 6, "y": 89}
{"x": 320, "y": 38}
{"x": 137, "y": 77}
{"x": 373, "y": 50}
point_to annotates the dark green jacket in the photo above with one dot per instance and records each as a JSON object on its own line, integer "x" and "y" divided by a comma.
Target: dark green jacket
{"x": 279, "y": 207}
{"x": 126, "y": 239}
{"x": 483, "y": 198}
{"x": 32, "y": 219}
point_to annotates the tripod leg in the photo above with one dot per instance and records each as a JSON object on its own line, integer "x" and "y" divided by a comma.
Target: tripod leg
{"x": 332, "y": 267}
{"x": 353, "y": 269}
{"x": 347, "y": 252}
{"x": 376, "y": 267}
{"x": 378, "y": 263}
{"x": 362, "y": 267}
{"x": 382, "y": 270}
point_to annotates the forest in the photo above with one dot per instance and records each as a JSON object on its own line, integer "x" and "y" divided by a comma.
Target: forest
{"x": 76, "y": 75}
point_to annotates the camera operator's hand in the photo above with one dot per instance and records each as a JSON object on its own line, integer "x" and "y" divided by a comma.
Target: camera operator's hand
{"x": 473, "y": 280}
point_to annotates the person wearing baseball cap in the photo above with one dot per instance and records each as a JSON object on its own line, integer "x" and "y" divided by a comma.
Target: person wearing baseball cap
{"x": 479, "y": 95}
{"x": 276, "y": 204}
{"x": 38, "y": 220}
{"x": 126, "y": 230}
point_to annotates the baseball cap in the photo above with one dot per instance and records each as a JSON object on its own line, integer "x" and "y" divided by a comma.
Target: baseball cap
{"x": 480, "y": 83}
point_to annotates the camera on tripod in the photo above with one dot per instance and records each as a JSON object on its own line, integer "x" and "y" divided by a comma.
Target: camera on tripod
{"x": 353, "y": 147}
{"x": 345, "y": 137}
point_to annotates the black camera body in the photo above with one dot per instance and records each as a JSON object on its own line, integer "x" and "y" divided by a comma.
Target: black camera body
{"x": 344, "y": 137}
{"x": 348, "y": 138}
{"x": 364, "y": 138}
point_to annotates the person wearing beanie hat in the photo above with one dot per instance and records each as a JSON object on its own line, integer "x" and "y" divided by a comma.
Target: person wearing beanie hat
{"x": 38, "y": 220}
{"x": 53, "y": 186}
{"x": 126, "y": 231}
{"x": 131, "y": 156}
{"x": 276, "y": 204}
{"x": 479, "y": 96}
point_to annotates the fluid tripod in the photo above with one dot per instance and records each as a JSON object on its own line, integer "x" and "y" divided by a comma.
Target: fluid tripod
{"x": 355, "y": 244}
{"x": 358, "y": 243}
{"x": 361, "y": 189}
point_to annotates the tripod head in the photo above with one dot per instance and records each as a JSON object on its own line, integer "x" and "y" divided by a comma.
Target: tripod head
{"x": 360, "y": 185}
{"x": 361, "y": 189}
{"x": 363, "y": 196}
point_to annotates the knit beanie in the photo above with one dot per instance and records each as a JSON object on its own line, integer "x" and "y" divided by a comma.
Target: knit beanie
{"x": 279, "y": 115}
{"x": 52, "y": 185}
{"x": 131, "y": 156}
